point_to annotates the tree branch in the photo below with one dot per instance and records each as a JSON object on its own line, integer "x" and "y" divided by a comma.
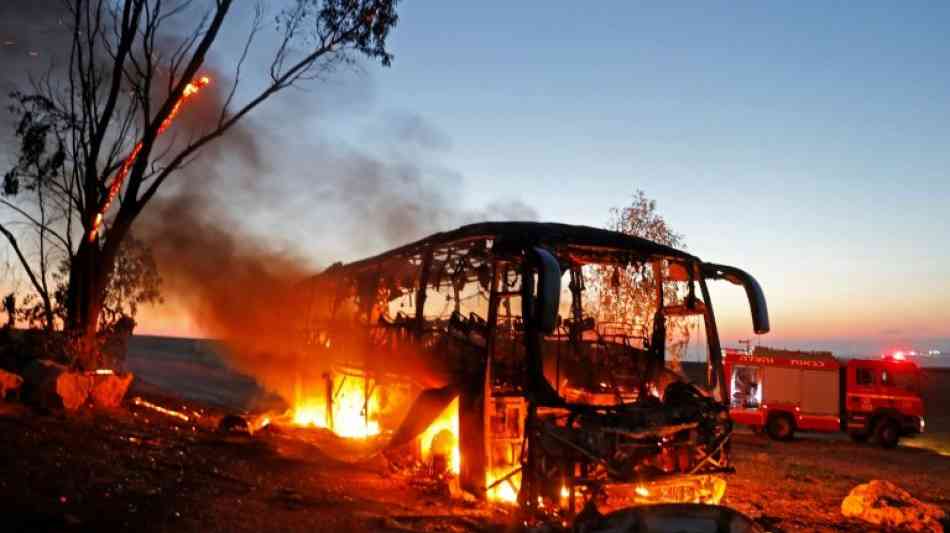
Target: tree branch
{"x": 24, "y": 263}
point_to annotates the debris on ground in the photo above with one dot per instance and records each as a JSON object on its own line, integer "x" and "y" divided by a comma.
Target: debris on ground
{"x": 9, "y": 383}
{"x": 884, "y": 504}
{"x": 234, "y": 424}
{"x": 663, "y": 517}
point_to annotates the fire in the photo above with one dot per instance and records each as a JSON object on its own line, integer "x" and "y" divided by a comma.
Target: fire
{"x": 506, "y": 491}
{"x": 158, "y": 408}
{"x": 191, "y": 89}
{"x": 442, "y": 438}
{"x": 311, "y": 414}
{"x": 351, "y": 413}
{"x": 695, "y": 489}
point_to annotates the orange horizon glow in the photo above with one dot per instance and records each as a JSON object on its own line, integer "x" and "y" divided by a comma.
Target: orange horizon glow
{"x": 791, "y": 328}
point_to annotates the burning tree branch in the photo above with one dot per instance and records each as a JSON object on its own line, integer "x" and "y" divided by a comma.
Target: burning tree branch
{"x": 127, "y": 78}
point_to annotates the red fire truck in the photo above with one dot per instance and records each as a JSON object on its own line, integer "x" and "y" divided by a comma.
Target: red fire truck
{"x": 784, "y": 391}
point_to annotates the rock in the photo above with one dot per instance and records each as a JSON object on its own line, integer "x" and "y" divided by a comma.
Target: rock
{"x": 53, "y": 385}
{"x": 109, "y": 390}
{"x": 9, "y": 382}
{"x": 234, "y": 424}
{"x": 39, "y": 378}
{"x": 73, "y": 389}
{"x": 884, "y": 504}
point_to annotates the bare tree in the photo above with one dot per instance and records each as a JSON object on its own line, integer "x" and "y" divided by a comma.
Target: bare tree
{"x": 628, "y": 295}
{"x": 92, "y": 154}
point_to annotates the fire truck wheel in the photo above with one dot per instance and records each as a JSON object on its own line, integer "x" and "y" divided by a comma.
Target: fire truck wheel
{"x": 887, "y": 433}
{"x": 781, "y": 427}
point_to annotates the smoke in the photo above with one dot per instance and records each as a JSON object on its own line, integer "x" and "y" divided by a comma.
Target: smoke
{"x": 32, "y": 39}
{"x": 230, "y": 248}
{"x": 234, "y": 241}
{"x": 279, "y": 196}
{"x": 32, "y": 36}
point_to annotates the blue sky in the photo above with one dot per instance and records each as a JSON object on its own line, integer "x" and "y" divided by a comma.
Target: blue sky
{"x": 806, "y": 142}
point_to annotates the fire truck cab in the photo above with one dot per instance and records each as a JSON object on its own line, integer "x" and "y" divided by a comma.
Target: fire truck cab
{"x": 784, "y": 391}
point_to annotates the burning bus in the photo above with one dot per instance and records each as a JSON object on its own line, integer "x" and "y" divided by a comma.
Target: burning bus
{"x": 481, "y": 347}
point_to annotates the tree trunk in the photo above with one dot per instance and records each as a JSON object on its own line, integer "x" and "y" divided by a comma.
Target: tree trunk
{"x": 48, "y": 315}
{"x": 83, "y": 305}
{"x": 89, "y": 274}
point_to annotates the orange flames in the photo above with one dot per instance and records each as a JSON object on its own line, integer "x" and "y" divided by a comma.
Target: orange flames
{"x": 442, "y": 438}
{"x": 351, "y": 414}
{"x": 191, "y": 89}
{"x": 505, "y": 491}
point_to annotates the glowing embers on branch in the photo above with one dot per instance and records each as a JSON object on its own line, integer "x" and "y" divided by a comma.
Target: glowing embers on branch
{"x": 158, "y": 408}
{"x": 190, "y": 90}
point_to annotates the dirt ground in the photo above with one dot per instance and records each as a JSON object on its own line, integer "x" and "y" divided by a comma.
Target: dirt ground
{"x": 133, "y": 469}
{"x": 799, "y": 485}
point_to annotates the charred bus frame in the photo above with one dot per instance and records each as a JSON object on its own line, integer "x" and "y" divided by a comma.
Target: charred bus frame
{"x": 568, "y": 448}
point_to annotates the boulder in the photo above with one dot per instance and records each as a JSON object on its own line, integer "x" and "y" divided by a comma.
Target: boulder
{"x": 53, "y": 385}
{"x": 39, "y": 378}
{"x": 234, "y": 424}
{"x": 9, "y": 382}
{"x": 886, "y": 505}
{"x": 73, "y": 389}
{"x": 109, "y": 390}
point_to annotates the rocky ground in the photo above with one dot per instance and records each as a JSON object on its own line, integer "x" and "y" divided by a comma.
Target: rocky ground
{"x": 134, "y": 469}
{"x": 799, "y": 485}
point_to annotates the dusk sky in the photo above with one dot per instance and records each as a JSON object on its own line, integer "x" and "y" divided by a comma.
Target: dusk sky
{"x": 804, "y": 142}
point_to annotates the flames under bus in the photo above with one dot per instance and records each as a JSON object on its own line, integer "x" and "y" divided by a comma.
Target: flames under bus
{"x": 555, "y": 407}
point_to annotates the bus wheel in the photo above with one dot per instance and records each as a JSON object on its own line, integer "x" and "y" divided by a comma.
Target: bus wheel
{"x": 887, "y": 433}
{"x": 859, "y": 436}
{"x": 781, "y": 427}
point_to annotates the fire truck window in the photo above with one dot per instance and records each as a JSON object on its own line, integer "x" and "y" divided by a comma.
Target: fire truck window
{"x": 864, "y": 376}
{"x": 746, "y": 387}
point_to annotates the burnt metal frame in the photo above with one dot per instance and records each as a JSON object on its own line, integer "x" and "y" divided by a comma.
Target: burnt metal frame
{"x": 506, "y": 242}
